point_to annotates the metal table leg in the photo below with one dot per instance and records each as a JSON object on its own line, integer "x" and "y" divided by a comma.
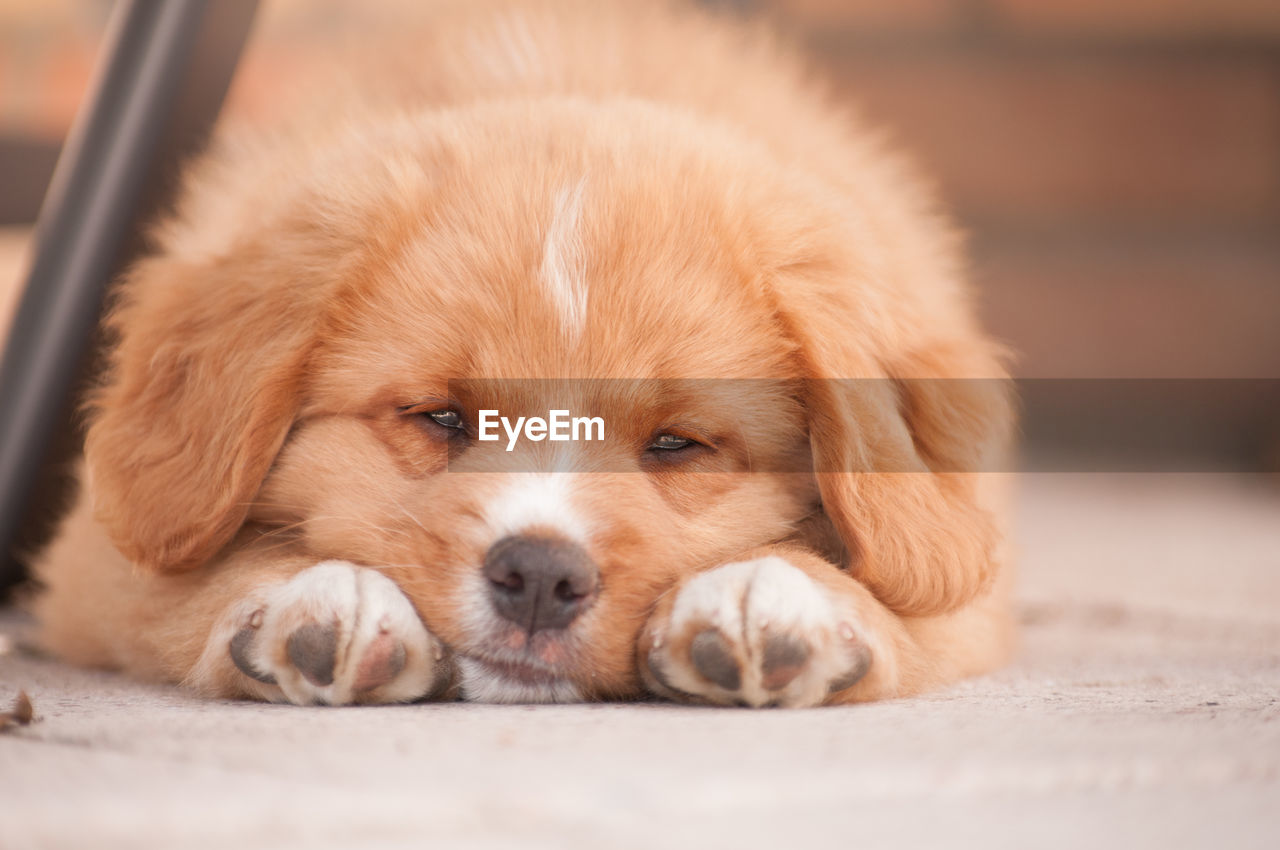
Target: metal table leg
{"x": 166, "y": 69}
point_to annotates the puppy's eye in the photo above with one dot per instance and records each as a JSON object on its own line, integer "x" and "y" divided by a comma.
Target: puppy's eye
{"x": 667, "y": 449}
{"x": 447, "y": 418}
{"x": 670, "y": 443}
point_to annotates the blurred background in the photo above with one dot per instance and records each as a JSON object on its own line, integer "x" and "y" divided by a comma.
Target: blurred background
{"x": 1115, "y": 162}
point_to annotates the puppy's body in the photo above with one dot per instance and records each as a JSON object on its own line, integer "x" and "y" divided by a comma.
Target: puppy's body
{"x": 653, "y": 210}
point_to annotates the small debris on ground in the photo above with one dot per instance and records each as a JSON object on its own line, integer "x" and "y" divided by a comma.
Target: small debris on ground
{"x": 21, "y": 715}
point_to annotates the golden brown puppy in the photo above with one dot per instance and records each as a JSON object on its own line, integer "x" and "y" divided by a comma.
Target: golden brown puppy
{"x": 639, "y": 215}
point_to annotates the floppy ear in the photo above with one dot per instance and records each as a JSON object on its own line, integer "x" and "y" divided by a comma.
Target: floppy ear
{"x": 202, "y": 389}
{"x": 898, "y": 438}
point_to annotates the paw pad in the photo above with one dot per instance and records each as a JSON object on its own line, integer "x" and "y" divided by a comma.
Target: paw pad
{"x": 241, "y": 646}
{"x": 313, "y": 649}
{"x": 784, "y": 658}
{"x": 712, "y": 655}
{"x": 383, "y": 660}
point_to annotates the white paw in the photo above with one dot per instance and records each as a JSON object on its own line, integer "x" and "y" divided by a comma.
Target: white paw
{"x": 757, "y": 633}
{"x": 334, "y": 634}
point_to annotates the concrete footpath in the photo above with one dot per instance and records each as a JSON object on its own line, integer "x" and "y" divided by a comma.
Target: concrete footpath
{"x": 1144, "y": 711}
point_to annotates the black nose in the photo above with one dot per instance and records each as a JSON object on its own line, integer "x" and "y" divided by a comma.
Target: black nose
{"x": 540, "y": 583}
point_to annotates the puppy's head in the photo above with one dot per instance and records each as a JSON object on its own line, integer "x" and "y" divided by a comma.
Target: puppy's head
{"x": 308, "y": 359}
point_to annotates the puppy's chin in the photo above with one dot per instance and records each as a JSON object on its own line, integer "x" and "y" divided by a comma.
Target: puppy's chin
{"x": 485, "y": 680}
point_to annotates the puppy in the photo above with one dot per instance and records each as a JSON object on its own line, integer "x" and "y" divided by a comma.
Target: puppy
{"x": 639, "y": 215}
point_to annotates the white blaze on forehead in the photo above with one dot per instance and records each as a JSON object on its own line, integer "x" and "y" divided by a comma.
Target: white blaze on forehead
{"x": 535, "y": 500}
{"x": 564, "y": 261}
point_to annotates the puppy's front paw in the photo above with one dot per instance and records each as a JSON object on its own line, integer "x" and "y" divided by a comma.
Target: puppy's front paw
{"x": 757, "y": 632}
{"x": 336, "y": 634}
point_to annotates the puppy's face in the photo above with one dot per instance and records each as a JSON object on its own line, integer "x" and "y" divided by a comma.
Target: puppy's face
{"x": 310, "y": 357}
{"x": 587, "y": 291}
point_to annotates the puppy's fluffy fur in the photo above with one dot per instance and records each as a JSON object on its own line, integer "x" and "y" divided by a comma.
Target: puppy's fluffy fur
{"x": 582, "y": 191}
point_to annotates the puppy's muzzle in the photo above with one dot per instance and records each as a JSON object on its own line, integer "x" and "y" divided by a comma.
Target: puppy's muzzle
{"x": 540, "y": 583}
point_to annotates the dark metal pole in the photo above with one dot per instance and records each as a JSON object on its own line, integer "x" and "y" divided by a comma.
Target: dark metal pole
{"x": 166, "y": 68}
